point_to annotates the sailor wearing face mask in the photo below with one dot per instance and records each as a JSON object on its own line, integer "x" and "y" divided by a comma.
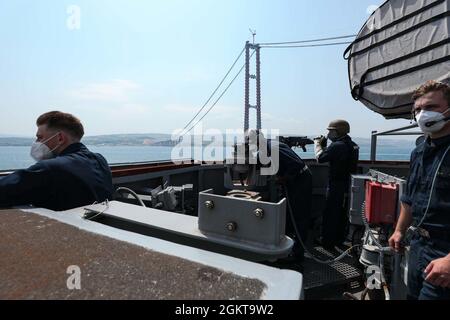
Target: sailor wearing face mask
{"x": 67, "y": 175}
{"x": 342, "y": 155}
{"x": 425, "y": 203}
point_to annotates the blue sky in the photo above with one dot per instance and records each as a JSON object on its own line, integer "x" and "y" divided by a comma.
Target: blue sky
{"x": 138, "y": 66}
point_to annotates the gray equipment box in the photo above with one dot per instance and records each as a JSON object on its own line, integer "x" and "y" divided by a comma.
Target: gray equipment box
{"x": 258, "y": 222}
{"x": 357, "y": 198}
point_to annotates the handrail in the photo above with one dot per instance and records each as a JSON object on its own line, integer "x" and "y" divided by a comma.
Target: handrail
{"x": 393, "y": 132}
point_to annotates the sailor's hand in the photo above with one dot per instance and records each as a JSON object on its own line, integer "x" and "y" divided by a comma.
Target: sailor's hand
{"x": 396, "y": 241}
{"x": 321, "y": 141}
{"x": 438, "y": 272}
{"x": 317, "y": 139}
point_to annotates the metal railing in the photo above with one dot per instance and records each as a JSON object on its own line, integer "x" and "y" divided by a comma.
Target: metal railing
{"x": 394, "y": 132}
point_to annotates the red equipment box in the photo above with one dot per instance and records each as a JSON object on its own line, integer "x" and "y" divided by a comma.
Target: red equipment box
{"x": 381, "y": 202}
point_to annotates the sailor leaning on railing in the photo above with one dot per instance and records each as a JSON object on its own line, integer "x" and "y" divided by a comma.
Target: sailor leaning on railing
{"x": 67, "y": 175}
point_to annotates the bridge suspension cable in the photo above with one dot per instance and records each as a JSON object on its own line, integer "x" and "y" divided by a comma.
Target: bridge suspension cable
{"x": 270, "y": 45}
{"x": 307, "y": 45}
{"x": 307, "y": 41}
{"x": 214, "y": 92}
{"x": 218, "y": 99}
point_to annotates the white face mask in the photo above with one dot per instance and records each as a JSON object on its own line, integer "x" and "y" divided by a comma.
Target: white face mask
{"x": 40, "y": 151}
{"x": 431, "y": 121}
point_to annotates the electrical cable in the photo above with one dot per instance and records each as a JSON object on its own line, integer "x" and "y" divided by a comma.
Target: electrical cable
{"x": 381, "y": 249}
{"x": 95, "y": 214}
{"x": 342, "y": 256}
{"x": 134, "y": 194}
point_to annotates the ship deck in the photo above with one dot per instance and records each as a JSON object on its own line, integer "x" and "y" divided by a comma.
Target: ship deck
{"x": 37, "y": 251}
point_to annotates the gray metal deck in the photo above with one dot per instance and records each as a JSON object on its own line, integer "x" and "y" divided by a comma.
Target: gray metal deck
{"x": 321, "y": 276}
{"x": 37, "y": 251}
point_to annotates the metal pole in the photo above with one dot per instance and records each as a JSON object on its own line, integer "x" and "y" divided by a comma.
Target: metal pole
{"x": 258, "y": 88}
{"x": 402, "y": 134}
{"x": 247, "y": 86}
{"x": 396, "y": 130}
{"x": 373, "y": 146}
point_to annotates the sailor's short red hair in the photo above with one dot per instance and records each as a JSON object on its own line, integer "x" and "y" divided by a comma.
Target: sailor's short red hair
{"x": 62, "y": 121}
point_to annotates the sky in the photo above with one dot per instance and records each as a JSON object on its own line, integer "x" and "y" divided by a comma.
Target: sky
{"x": 147, "y": 66}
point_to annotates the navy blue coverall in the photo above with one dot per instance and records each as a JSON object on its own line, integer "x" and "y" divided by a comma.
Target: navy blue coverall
{"x": 424, "y": 163}
{"x": 298, "y": 184}
{"x": 343, "y": 156}
{"x": 75, "y": 178}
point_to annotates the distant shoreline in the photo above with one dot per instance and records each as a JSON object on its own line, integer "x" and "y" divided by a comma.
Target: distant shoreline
{"x": 16, "y": 157}
{"x": 158, "y": 140}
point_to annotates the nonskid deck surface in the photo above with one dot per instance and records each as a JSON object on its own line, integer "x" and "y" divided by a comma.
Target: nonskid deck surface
{"x": 37, "y": 251}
